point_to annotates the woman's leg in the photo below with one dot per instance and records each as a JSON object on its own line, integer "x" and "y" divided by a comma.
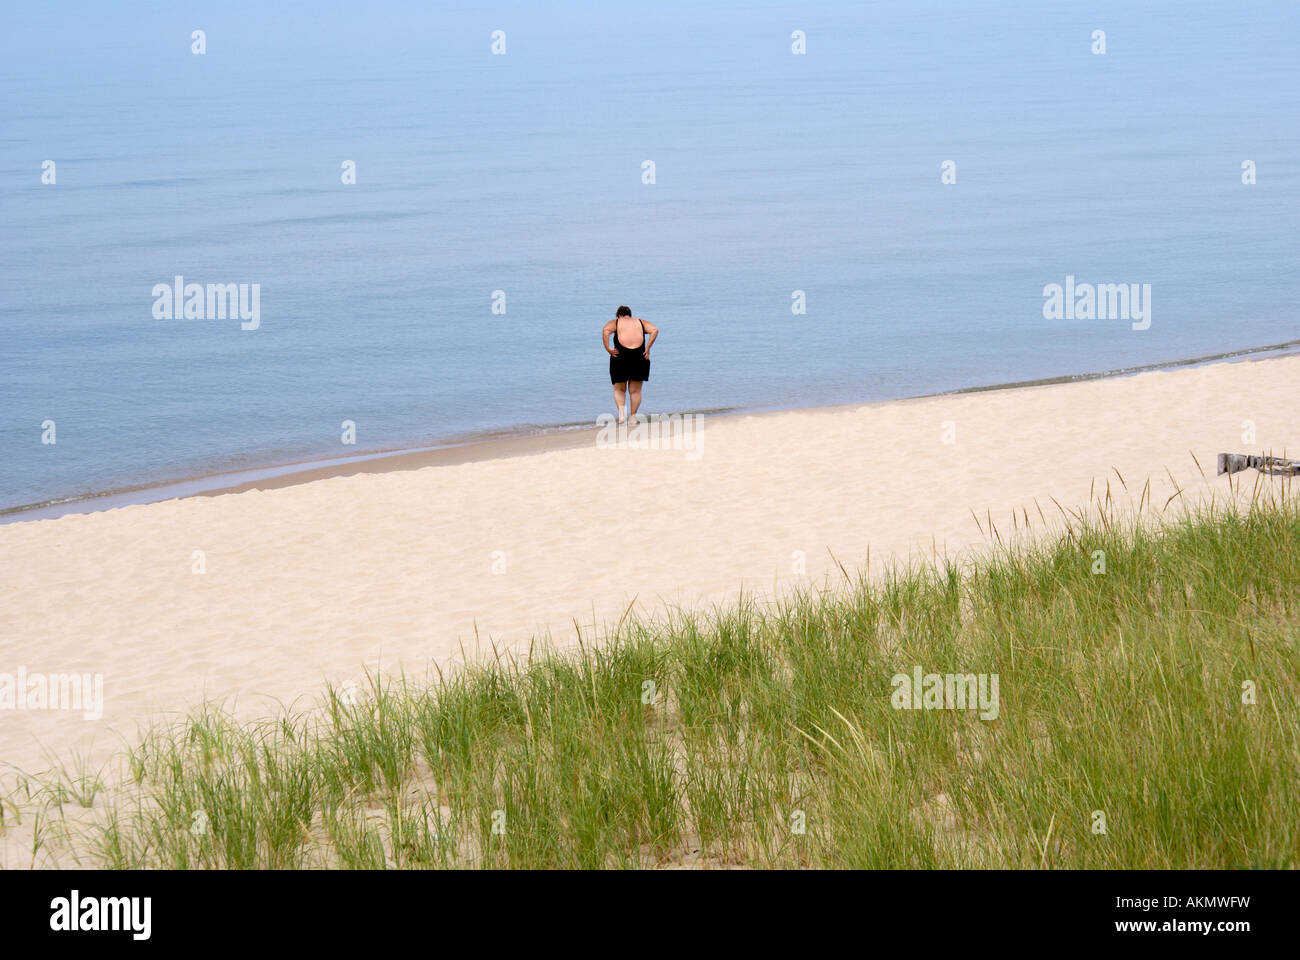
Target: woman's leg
{"x": 634, "y": 393}
{"x": 620, "y": 394}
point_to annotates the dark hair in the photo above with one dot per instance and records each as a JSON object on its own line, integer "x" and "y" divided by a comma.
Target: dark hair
{"x": 623, "y": 312}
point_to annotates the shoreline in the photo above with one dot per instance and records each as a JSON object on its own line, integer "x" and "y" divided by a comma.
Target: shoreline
{"x": 514, "y": 442}
{"x": 259, "y": 600}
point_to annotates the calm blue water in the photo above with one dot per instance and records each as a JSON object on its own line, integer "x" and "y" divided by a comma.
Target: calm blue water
{"x": 522, "y": 173}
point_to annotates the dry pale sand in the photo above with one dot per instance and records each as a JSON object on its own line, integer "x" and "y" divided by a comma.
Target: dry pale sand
{"x": 316, "y": 582}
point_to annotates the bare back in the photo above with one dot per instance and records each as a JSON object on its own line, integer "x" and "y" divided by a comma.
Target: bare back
{"x": 629, "y": 331}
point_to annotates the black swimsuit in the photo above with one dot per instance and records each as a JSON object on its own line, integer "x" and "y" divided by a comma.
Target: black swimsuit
{"x": 631, "y": 362}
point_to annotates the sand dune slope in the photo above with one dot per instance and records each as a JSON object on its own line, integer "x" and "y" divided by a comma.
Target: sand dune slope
{"x": 314, "y": 582}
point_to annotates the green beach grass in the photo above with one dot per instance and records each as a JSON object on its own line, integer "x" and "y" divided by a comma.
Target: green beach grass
{"x": 1149, "y": 717}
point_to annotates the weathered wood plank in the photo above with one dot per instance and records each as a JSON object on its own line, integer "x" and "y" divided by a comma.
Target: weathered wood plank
{"x": 1236, "y": 462}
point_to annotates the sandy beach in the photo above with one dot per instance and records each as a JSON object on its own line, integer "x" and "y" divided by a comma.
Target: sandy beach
{"x": 315, "y": 582}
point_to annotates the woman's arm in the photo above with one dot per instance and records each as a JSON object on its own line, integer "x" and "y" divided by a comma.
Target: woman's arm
{"x": 651, "y": 333}
{"x": 605, "y": 331}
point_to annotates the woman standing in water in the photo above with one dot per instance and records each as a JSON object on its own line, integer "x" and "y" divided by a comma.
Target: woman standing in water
{"x": 629, "y": 357}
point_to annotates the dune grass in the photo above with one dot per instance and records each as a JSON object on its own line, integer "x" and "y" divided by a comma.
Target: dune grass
{"x": 765, "y": 735}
